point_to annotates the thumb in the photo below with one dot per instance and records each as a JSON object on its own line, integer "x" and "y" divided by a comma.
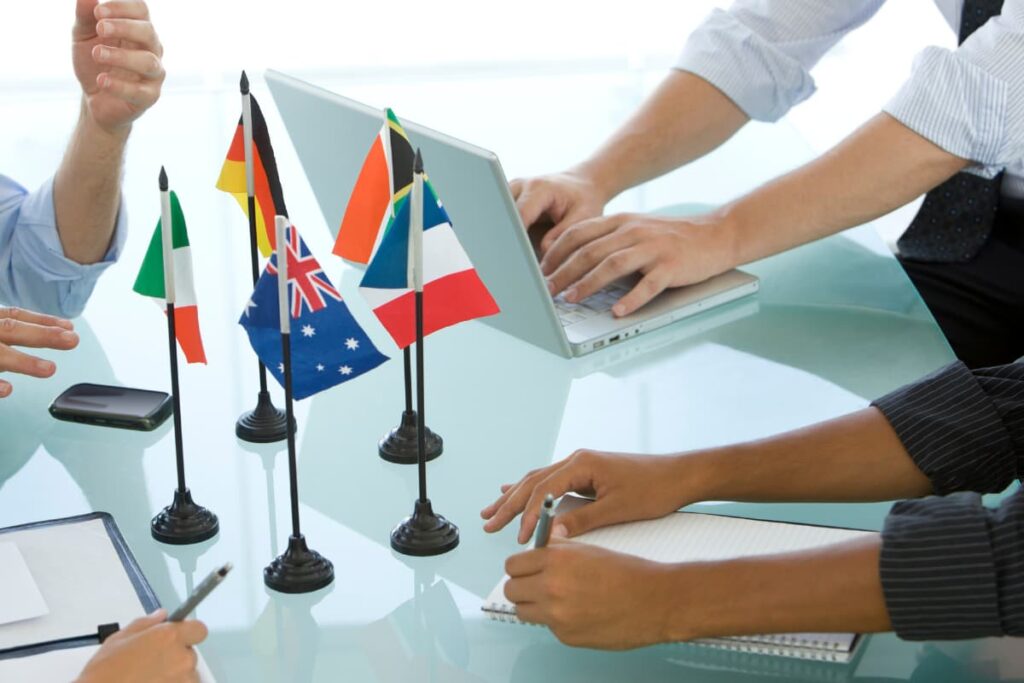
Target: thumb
{"x": 143, "y": 623}
{"x": 532, "y": 204}
{"x": 582, "y": 519}
{"x": 85, "y": 19}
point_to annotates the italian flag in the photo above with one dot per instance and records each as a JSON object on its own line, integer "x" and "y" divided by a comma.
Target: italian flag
{"x": 383, "y": 182}
{"x": 150, "y": 283}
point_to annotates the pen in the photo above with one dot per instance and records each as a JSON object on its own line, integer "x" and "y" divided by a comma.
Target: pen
{"x": 543, "y": 533}
{"x": 201, "y": 591}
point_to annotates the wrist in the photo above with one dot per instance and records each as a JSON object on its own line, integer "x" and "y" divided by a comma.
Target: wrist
{"x": 599, "y": 178}
{"x": 114, "y": 137}
{"x": 701, "y": 473}
{"x": 730, "y": 225}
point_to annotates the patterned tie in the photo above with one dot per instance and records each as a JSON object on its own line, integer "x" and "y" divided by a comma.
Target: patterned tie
{"x": 956, "y": 218}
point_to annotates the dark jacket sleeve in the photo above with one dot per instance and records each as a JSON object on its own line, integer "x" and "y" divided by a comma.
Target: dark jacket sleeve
{"x": 950, "y": 567}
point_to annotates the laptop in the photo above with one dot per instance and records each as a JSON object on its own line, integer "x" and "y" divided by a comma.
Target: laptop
{"x": 331, "y": 135}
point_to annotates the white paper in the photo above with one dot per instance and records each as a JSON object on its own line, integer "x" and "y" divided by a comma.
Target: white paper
{"x": 81, "y": 578}
{"x": 61, "y": 666}
{"x": 20, "y": 598}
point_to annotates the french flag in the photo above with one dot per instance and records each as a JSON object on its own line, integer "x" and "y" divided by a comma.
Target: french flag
{"x": 452, "y": 290}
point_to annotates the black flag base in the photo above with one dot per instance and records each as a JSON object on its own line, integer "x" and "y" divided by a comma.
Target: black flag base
{"x": 401, "y": 445}
{"x": 262, "y": 424}
{"x": 299, "y": 569}
{"x": 183, "y": 522}
{"x": 424, "y": 533}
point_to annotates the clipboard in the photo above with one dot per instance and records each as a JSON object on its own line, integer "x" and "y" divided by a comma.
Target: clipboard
{"x": 136, "y": 597}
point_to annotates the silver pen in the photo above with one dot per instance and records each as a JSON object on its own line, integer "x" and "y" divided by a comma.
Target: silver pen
{"x": 543, "y": 533}
{"x": 201, "y": 591}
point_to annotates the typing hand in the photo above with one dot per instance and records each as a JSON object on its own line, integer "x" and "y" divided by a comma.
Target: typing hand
{"x": 116, "y": 55}
{"x": 148, "y": 650}
{"x": 554, "y": 203}
{"x": 667, "y": 252}
{"x": 19, "y": 327}
{"x": 591, "y": 597}
{"x": 625, "y": 487}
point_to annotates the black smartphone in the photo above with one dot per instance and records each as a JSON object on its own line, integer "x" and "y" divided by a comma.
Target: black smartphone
{"x": 122, "y": 407}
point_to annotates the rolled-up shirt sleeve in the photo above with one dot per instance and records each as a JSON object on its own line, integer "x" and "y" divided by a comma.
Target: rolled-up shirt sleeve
{"x": 951, "y": 567}
{"x": 34, "y": 272}
{"x": 970, "y": 101}
{"x": 760, "y": 52}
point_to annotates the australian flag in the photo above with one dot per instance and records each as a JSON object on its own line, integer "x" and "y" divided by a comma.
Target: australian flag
{"x": 328, "y": 345}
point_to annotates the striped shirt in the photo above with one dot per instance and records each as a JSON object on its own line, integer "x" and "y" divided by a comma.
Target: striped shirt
{"x": 950, "y": 567}
{"x": 34, "y": 273}
{"x": 968, "y": 101}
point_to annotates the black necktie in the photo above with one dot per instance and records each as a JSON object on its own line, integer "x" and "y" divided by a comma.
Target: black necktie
{"x": 956, "y": 218}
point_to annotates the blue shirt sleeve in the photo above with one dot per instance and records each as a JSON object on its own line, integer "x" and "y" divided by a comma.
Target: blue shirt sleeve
{"x": 760, "y": 52}
{"x": 970, "y": 101}
{"x": 34, "y": 273}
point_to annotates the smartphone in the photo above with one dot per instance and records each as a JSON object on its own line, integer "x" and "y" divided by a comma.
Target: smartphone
{"x": 107, "y": 406}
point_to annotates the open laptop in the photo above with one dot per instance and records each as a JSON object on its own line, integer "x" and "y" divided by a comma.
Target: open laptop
{"x": 331, "y": 135}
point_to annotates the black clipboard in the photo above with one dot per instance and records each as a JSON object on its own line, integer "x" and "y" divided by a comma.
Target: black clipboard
{"x": 138, "y": 580}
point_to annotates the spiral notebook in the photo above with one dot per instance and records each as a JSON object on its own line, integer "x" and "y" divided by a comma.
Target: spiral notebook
{"x": 698, "y": 537}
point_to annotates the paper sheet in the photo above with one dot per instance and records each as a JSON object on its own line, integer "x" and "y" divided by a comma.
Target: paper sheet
{"x": 20, "y": 598}
{"x": 81, "y": 578}
{"x": 61, "y": 666}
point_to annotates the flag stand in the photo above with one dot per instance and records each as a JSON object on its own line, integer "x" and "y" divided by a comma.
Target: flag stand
{"x": 401, "y": 444}
{"x": 265, "y": 423}
{"x": 298, "y": 569}
{"x": 423, "y": 533}
{"x": 183, "y": 521}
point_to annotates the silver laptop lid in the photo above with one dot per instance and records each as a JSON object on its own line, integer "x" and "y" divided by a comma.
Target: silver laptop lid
{"x": 332, "y": 134}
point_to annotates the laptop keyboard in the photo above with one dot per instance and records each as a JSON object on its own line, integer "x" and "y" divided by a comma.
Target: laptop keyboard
{"x": 593, "y": 306}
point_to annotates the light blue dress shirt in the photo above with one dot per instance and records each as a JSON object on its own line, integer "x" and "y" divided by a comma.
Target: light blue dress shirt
{"x": 34, "y": 273}
{"x": 969, "y": 101}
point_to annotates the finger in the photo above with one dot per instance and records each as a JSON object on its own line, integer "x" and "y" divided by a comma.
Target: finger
{"x": 511, "y": 503}
{"x": 142, "y": 623}
{"x": 584, "y": 262}
{"x": 601, "y": 512}
{"x": 515, "y": 187}
{"x": 36, "y": 318}
{"x": 509, "y": 490}
{"x": 488, "y": 511}
{"x": 572, "y": 477}
{"x": 139, "y": 95}
{"x": 185, "y": 663}
{"x": 5, "y": 389}
{"x": 568, "y": 221}
{"x": 141, "y": 62}
{"x": 122, "y": 9}
{"x": 12, "y": 360}
{"x": 135, "y": 31}
{"x": 525, "y": 589}
{"x": 614, "y": 266}
{"x": 191, "y": 632}
{"x": 526, "y": 563}
{"x": 574, "y": 238}
{"x": 18, "y": 333}
{"x": 650, "y": 286}
{"x": 531, "y": 613}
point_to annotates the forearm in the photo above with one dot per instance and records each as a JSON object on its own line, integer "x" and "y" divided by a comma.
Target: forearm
{"x": 87, "y": 190}
{"x": 684, "y": 119}
{"x": 856, "y": 457}
{"x": 880, "y": 167}
{"x": 831, "y": 589}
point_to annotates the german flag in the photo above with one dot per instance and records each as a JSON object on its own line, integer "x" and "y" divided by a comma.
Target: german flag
{"x": 267, "y": 184}
{"x": 383, "y": 182}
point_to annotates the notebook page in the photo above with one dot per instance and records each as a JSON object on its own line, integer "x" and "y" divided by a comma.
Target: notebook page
{"x": 695, "y": 537}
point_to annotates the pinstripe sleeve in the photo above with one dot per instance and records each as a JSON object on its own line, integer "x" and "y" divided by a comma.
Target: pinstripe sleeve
{"x": 951, "y": 568}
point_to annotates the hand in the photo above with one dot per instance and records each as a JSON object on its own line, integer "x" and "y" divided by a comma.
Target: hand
{"x": 668, "y": 252}
{"x": 24, "y": 328}
{"x": 148, "y": 650}
{"x": 591, "y": 597}
{"x": 556, "y": 202}
{"x": 116, "y": 55}
{"x": 625, "y": 487}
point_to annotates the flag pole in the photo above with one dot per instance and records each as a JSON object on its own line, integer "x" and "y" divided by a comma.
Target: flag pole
{"x": 183, "y": 521}
{"x": 423, "y": 533}
{"x": 401, "y": 444}
{"x": 299, "y": 569}
{"x": 265, "y": 423}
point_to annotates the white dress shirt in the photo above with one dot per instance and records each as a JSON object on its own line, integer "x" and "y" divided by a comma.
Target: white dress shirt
{"x": 34, "y": 272}
{"x": 968, "y": 101}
